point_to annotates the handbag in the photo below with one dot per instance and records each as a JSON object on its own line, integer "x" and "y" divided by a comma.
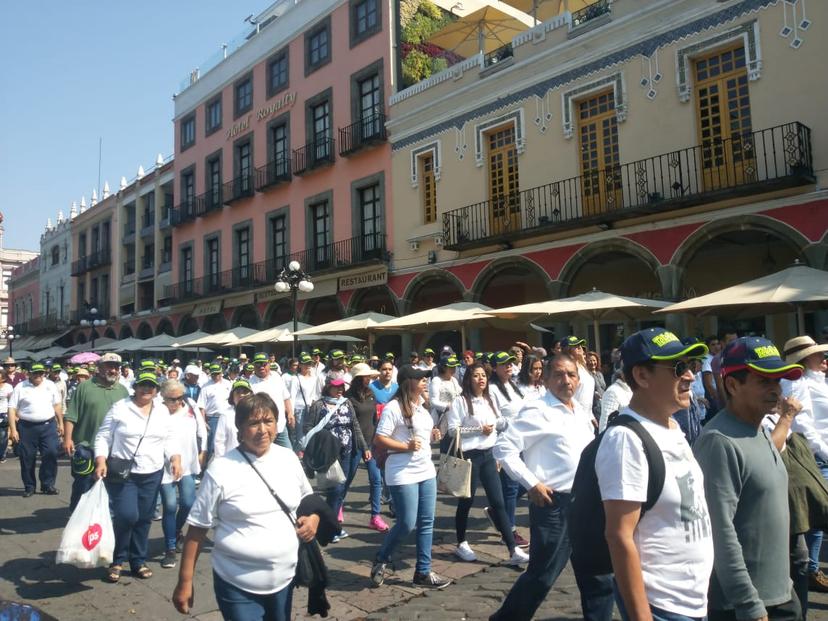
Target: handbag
{"x": 118, "y": 469}
{"x": 310, "y": 567}
{"x": 454, "y": 473}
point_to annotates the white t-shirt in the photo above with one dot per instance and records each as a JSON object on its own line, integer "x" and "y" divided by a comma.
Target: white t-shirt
{"x": 673, "y": 539}
{"x": 458, "y": 416}
{"x": 35, "y": 404}
{"x": 255, "y": 545}
{"x": 311, "y": 389}
{"x": 407, "y": 467}
{"x": 190, "y": 432}
{"x": 6, "y": 391}
{"x": 530, "y": 393}
{"x": 214, "y": 397}
{"x": 227, "y": 436}
{"x": 586, "y": 388}
{"x": 275, "y": 387}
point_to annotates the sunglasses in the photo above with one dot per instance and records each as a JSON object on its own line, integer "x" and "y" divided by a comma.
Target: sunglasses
{"x": 174, "y": 399}
{"x": 679, "y": 369}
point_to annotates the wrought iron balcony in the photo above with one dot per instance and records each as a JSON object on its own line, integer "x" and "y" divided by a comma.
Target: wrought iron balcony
{"x": 148, "y": 229}
{"x": 313, "y": 155}
{"x": 41, "y": 325}
{"x": 274, "y": 172}
{"x": 331, "y": 257}
{"x": 185, "y": 211}
{"x": 499, "y": 55}
{"x": 744, "y": 165}
{"x": 365, "y": 132}
{"x": 591, "y": 11}
{"x": 238, "y": 188}
{"x": 99, "y": 258}
{"x": 210, "y": 201}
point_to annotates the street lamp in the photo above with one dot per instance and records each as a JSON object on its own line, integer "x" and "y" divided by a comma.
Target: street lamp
{"x": 293, "y": 279}
{"x": 91, "y": 320}
{"x": 8, "y": 334}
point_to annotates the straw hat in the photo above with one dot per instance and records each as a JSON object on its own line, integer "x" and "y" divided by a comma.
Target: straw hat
{"x": 800, "y": 347}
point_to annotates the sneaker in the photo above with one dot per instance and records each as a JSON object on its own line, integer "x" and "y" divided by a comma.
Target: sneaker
{"x": 340, "y": 517}
{"x": 378, "y": 573}
{"x": 338, "y": 537}
{"x": 169, "y": 559}
{"x": 431, "y": 581}
{"x": 157, "y": 515}
{"x": 519, "y": 557}
{"x": 28, "y": 492}
{"x": 818, "y": 581}
{"x": 464, "y": 552}
{"x": 50, "y": 491}
{"x": 519, "y": 540}
{"x": 377, "y": 523}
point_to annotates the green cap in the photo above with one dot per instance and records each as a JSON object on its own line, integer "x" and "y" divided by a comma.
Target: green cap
{"x": 389, "y": 355}
{"x": 249, "y": 366}
{"x": 37, "y": 368}
{"x": 336, "y": 354}
{"x": 316, "y": 351}
{"x": 357, "y": 358}
{"x": 502, "y": 357}
{"x": 146, "y": 377}
{"x": 148, "y": 364}
{"x": 305, "y": 358}
{"x": 428, "y": 351}
{"x": 57, "y": 367}
{"x": 215, "y": 368}
{"x": 260, "y": 358}
{"x": 451, "y": 362}
{"x": 241, "y": 383}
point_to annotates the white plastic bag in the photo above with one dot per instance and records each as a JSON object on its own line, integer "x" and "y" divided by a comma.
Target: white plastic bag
{"x": 88, "y": 539}
{"x": 332, "y": 477}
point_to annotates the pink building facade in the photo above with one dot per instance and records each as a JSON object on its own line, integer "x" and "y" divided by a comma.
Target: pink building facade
{"x": 281, "y": 155}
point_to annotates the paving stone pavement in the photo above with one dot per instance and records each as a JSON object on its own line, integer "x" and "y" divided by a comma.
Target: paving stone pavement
{"x": 30, "y": 531}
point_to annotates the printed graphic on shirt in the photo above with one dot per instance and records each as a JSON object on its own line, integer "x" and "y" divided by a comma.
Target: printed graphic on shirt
{"x": 693, "y": 511}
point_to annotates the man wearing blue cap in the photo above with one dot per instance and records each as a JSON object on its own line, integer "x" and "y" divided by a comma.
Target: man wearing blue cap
{"x": 645, "y": 545}
{"x": 747, "y": 487}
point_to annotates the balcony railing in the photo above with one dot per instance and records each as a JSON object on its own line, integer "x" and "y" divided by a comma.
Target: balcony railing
{"x": 502, "y": 53}
{"x": 148, "y": 229}
{"x": 129, "y": 267}
{"x": 312, "y": 155}
{"x": 211, "y": 200}
{"x": 99, "y": 258}
{"x": 76, "y": 316}
{"x": 185, "y": 211}
{"x": 334, "y": 256}
{"x": 753, "y": 163}
{"x": 275, "y": 171}
{"x": 238, "y": 188}
{"x": 41, "y": 325}
{"x": 591, "y": 11}
{"x": 365, "y": 132}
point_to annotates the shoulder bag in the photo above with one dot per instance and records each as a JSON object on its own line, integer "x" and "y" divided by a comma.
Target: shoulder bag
{"x": 310, "y": 567}
{"x": 118, "y": 469}
{"x": 454, "y": 473}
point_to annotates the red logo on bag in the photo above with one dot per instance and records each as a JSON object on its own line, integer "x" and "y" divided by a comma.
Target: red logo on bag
{"x": 92, "y": 536}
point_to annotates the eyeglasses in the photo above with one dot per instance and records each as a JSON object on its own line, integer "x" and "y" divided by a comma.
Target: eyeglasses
{"x": 679, "y": 369}
{"x": 174, "y": 399}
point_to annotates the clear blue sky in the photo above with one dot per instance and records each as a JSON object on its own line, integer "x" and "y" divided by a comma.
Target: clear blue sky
{"x": 71, "y": 72}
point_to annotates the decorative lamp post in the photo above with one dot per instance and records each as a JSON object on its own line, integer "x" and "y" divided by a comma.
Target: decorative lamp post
{"x": 293, "y": 279}
{"x": 91, "y": 321}
{"x": 8, "y": 334}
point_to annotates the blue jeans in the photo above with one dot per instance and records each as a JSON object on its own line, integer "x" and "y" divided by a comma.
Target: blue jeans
{"x": 212, "y": 425}
{"x": 414, "y": 505}
{"x": 238, "y": 605}
{"x": 814, "y": 537}
{"x": 336, "y": 495}
{"x": 512, "y": 490}
{"x": 283, "y": 439}
{"x": 4, "y": 435}
{"x": 34, "y": 438}
{"x": 132, "y": 504}
{"x": 549, "y": 551}
{"x": 296, "y": 434}
{"x": 375, "y": 486}
{"x": 176, "y": 509}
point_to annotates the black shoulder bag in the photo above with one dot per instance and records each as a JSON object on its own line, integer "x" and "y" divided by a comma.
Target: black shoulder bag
{"x": 118, "y": 469}
{"x": 310, "y": 567}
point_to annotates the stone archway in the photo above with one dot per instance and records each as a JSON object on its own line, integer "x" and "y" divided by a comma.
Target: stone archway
{"x": 245, "y": 317}
{"x": 144, "y": 331}
{"x": 110, "y": 334}
{"x": 215, "y": 323}
{"x": 373, "y": 299}
{"x": 431, "y": 289}
{"x": 125, "y": 332}
{"x": 278, "y": 312}
{"x": 187, "y": 325}
{"x": 323, "y": 310}
{"x": 164, "y": 327}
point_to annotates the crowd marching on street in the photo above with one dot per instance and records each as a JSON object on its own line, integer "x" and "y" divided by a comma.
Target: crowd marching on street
{"x": 683, "y": 479}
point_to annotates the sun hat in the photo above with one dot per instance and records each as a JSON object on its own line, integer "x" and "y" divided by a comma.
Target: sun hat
{"x": 657, "y": 344}
{"x": 361, "y": 369}
{"x": 760, "y": 356}
{"x": 9, "y": 360}
{"x": 800, "y": 347}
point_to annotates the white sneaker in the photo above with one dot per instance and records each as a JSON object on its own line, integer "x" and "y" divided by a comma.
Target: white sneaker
{"x": 519, "y": 557}
{"x": 465, "y": 553}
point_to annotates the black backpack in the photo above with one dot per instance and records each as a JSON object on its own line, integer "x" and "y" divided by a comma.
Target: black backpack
{"x": 586, "y": 519}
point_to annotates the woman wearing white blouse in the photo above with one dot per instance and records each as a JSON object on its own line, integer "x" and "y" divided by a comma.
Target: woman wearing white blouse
{"x": 138, "y": 431}
{"x": 530, "y": 378}
{"x": 474, "y": 418}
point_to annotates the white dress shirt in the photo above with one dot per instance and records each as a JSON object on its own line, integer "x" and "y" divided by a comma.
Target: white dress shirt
{"x": 812, "y": 422}
{"x": 551, "y": 438}
{"x": 586, "y": 388}
{"x": 35, "y": 404}
{"x": 122, "y": 428}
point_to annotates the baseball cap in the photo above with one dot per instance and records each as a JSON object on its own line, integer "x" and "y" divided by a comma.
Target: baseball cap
{"x": 408, "y": 371}
{"x": 274, "y": 366}
{"x": 241, "y": 383}
{"x": 37, "y": 368}
{"x": 335, "y": 381}
{"x": 389, "y": 355}
{"x": 192, "y": 369}
{"x": 305, "y": 358}
{"x": 316, "y": 351}
{"x": 57, "y": 367}
{"x": 336, "y": 354}
{"x": 260, "y": 358}
{"x": 80, "y": 372}
{"x": 110, "y": 356}
{"x": 125, "y": 364}
{"x": 215, "y": 368}
{"x": 146, "y": 364}
{"x": 356, "y": 358}
{"x": 249, "y": 366}
{"x": 478, "y": 355}
{"x": 428, "y": 351}
{"x": 502, "y": 357}
{"x": 146, "y": 377}
{"x": 760, "y": 356}
{"x": 572, "y": 341}
{"x": 450, "y": 361}
{"x": 414, "y": 354}
{"x": 657, "y": 344}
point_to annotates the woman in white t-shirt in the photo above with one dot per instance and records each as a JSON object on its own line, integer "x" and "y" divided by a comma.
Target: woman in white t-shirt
{"x": 474, "y": 419}
{"x": 443, "y": 388}
{"x": 406, "y": 430}
{"x": 190, "y": 433}
{"x": 6, "y": 391}
{"x": 255, "y": 545}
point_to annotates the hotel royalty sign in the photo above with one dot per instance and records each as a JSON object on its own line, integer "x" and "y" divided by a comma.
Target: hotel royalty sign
{"x": 242, "y": 125}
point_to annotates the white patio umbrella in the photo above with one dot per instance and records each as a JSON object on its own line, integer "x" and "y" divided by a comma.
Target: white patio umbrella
{"x": 119, "y": 345}
{"x": 270, "y": 335}
{"x": 792, "y": 289}
{"x": 223, "y": 339}
{"x": 485, "y": 30}
{"x": 100, "y": 343}
{"x": 53, "y": 352}
{"x": 595, "y": 305}
{"x": 364, "y": 322}
{"x": 185, "y": 339}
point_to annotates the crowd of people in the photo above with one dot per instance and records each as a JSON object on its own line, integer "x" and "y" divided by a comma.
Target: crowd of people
{"x": 708, "y": 460}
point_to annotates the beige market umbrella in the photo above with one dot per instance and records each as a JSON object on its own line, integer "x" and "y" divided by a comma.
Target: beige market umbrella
{"x": 185, "y": 339}
{"x": 364, "y": 322}
{"x": 792, "y": 289}
{"x": 484, "y": 30}
{"x": 542, "y": 10}
{"x": 595, "y": 305}
{"x": 227, "y": 338}
{"x": 270, "y": 335}
{"x": 101, "y": 343}
{"x": 128, "y": 344}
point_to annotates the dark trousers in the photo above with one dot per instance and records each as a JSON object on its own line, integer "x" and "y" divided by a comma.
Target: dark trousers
{"x": 549, "y": 551}
{"x": 4, "y": 435}
{"x": 36, "y": 437}
{"x": 132, "y": 504}
{"x": 484, "y": 471}
{"x": 789, "y": 611}
{"x": 239, "y": 605}
{"x": 799, "y": 571}
{"x": 512, "y": 491}
{"x": 81, "y": 483}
